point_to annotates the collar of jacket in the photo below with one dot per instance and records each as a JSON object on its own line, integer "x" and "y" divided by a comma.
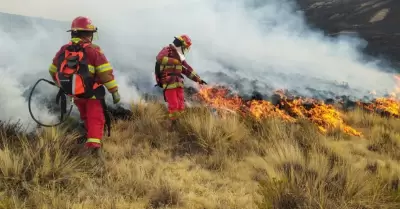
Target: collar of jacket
{"x": 172, "y": 47}
{"x": 79, "y": 40}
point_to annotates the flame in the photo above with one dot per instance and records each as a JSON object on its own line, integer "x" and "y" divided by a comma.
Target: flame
{"x": 326, "y": 117}
{"x": 389, "y": 106}
{"x": 263, "y": 109}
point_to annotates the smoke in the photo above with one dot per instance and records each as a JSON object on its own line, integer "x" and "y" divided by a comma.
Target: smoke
{"x": 267, "y": 42}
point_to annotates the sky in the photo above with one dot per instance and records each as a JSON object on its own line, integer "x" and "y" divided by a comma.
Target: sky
{"x": 52, "y": 10}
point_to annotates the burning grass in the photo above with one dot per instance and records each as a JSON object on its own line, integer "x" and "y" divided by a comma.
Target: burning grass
{"x": 327, "y": 117}
{"x": 230, "y": 161}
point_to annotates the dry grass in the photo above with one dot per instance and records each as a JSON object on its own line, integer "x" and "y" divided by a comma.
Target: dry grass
{"x": 209, "y": 162}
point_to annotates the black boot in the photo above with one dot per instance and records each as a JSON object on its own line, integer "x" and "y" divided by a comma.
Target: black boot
{"x": 82, "y": 131}
{"x": 98, "y": 153}
{"x": 172, "y": 125}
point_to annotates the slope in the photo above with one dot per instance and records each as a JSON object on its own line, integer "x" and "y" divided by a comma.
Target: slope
{"x": 374, "y": 21}
{"x": 209, "y": 162}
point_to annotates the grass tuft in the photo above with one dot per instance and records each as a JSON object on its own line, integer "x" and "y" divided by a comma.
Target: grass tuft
{"x": 209, "y": 161}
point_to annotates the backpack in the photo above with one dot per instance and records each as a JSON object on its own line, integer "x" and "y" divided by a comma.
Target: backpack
{"x": 73, "y": 75}
{"x": 158, "y": 74}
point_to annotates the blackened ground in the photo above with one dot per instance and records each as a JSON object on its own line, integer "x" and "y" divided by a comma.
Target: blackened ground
{"x": 119, "y": 113}
{"x": 376, "y": 21}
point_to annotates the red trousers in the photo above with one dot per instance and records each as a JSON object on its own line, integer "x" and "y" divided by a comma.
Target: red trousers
{"x": 91, "y": 112}
{"x": 176, "y": 102}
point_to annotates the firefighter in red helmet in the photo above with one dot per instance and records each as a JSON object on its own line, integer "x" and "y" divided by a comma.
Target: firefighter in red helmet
{"x": 82, "y": 71}
{"x": 170, "y": 65}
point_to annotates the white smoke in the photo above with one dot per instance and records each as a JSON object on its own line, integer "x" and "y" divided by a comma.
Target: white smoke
{"x": 269, "y": 43}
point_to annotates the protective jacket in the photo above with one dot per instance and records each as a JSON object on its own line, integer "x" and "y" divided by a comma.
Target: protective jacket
{"x": 171, "y": 68}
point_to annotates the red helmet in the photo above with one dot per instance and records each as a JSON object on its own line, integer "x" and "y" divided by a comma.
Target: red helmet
{"x": 82, "y": 24}
{"x": 186, "y": 41}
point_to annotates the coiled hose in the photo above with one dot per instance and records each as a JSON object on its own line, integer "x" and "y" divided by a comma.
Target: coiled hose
{"x": 62, "y": 104}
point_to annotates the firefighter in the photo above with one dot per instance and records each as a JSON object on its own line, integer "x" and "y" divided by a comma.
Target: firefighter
{"x": 96, "y": 69}
{"x": 170, "y": 65}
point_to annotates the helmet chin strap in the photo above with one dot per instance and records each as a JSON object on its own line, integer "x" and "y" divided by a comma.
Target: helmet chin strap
{"x": 94, "y": 37}
{"x": 185, "y": 51}
{"x": 180, "y": 52}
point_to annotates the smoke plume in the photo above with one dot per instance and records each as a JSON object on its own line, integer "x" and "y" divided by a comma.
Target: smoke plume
{"x": 263, "y": 44}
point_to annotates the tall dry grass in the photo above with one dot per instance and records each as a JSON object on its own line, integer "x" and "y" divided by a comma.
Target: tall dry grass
{"x": 208, "y": 162}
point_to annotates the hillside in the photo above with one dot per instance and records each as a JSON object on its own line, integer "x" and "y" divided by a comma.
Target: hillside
{"x": 229, "y": 152}
{"x": 373, "y": 20}
{"x": 210, "y": 162}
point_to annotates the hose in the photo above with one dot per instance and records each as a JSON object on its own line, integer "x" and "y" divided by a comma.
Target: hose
{"x": 30, "y": 109}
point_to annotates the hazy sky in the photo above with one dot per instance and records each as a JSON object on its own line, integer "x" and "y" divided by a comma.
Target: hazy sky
{"x": 57, "y": 9}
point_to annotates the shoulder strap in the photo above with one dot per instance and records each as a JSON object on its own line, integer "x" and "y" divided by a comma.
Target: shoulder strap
{"x": 170, "y": 51}
{"x": 76, "y": 47}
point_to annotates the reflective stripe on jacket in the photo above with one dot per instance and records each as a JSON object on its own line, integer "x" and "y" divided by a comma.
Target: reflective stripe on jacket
{"x": 172, "y": 68}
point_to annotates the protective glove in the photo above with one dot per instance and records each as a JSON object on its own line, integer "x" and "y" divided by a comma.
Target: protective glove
{"x": 116, "y": 97}
{"x": 202, "y": 82}
{"x": 55, "y": 83}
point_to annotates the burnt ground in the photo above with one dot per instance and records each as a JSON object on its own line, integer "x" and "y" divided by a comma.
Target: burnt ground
{"x": 376, "y": 21}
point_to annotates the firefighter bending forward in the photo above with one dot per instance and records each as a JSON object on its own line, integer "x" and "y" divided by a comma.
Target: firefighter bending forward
{"x": 170, "y": 65}
{"x": 100, "y": 71}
